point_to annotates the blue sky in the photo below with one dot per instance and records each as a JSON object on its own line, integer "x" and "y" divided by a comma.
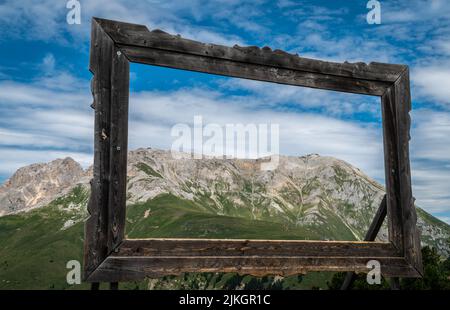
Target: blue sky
{"x": 45, "y": 95}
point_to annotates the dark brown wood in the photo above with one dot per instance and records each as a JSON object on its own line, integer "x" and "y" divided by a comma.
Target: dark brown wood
{"x": 227, "y": 247}
{"x": 136, "y": 268}
{"x": 408, "y": 217}
{"x": 377, "y": 221}
{"x": 136, "y": 36}
{"x": 96, "y": 227}
{"x": 371, "y": 234}
{"x": 120, "y": 73}
{"x": 251, "y": 71}
{"x": 396, "y": 105}
{"x": 395, "y": 225}
{"x": 109, "y": 258}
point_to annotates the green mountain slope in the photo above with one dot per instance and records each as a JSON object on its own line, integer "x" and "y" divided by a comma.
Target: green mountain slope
{"x": 173, "y": 217}
{"x": 35, "y": 246}
{"x": 308, "y": 198}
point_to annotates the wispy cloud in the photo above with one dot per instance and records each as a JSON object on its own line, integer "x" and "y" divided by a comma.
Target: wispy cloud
{"x": 154, "y": 113}
{"x": 433, "y": 83}
{"x": 430, "y": 151}
{"x": 47, "y": 20}
{"x": 281, "y": 97}
{"x": 46, "y": 117}
{"x": 46, "y": 114}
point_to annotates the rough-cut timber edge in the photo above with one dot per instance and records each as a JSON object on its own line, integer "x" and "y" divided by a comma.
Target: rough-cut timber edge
{"x": 238, "y": 247}
{"x": 110, "y": 258}
{"x": 137, "y": 268}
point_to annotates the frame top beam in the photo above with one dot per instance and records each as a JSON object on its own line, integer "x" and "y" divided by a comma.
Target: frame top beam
{"x": 140, "y": 36}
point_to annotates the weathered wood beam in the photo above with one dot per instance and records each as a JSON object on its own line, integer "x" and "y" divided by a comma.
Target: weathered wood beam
{"x": 230, "y": 247}
{"x": 408, "y": 219}
{"x": 137, "y": 268}
{"x": 252, "y": 71}
{"x": 118, "y": 148}
{"x": 396, "y": 105}
{"x": 377, "y": 221}
{"x": 96, "y": 227}
{"x": 139, "y": 36}
{"x": 391, "y": 165}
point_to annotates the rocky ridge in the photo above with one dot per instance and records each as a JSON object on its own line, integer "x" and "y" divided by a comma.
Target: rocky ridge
{"x": 311, "y": 191}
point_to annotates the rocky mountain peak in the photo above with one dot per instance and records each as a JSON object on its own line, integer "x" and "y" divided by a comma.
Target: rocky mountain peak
{"x": 327, "y": 196}
{"x": 37, "y": 184}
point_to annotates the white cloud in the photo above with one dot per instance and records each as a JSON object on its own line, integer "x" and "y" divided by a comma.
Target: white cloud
{"x": 430, "y": 135}
{"x": 430, "y": 155}
{"x": 433, "y": 83}
{"x": 48, "y": 64}
{"x": 46, "y": 119}
{"x": 13, "y": 158}
{"x": 47, "y": 20}
{"x": 431, "y": 187}
{"x": 334, "y": 103}
{"x": 52, "y": 113}
{"x": 64, "y": 127}
{"x": 153, "y": 114}
{"x": 14, "y": 95}
{"x": 414, "y": 11}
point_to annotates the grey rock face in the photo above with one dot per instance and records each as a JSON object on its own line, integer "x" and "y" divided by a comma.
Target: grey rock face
{"x": 38, "y": 184}
{"x": 310, "y": 190}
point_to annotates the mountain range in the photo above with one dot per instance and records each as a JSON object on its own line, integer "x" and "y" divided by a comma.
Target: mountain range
{"x": 43, "y": 207}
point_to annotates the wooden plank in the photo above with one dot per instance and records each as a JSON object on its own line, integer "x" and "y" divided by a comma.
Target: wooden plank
{"x": 411, "y": 238}
{"x": 395, "y": 225}
{"x": 95, "y": 247}
{"x": 253, "y": 71}
{"x": 377, "y": 221}
{"x": 136, "y": 268}
{"x": 139, "y": 36}
{"x": 120, "y": 73}
{"x": 230, "y": 247}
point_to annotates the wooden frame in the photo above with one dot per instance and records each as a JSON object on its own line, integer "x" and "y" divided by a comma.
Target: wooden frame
{"x": 111, "y": 258}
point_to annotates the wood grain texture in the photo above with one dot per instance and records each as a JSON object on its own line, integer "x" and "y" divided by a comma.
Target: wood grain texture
{"x": 230, "y": 247}
{"x": 411, "y": 238}
{"x": 96, "y": 227}
{"x": 120, "y": 73}
{"x": 136, "y": 268}
{"x": 377, "y": 221}
{"x": 252, "y": 71}
{"x": 140, "y": 36}
{"x": 391, "y": 165}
